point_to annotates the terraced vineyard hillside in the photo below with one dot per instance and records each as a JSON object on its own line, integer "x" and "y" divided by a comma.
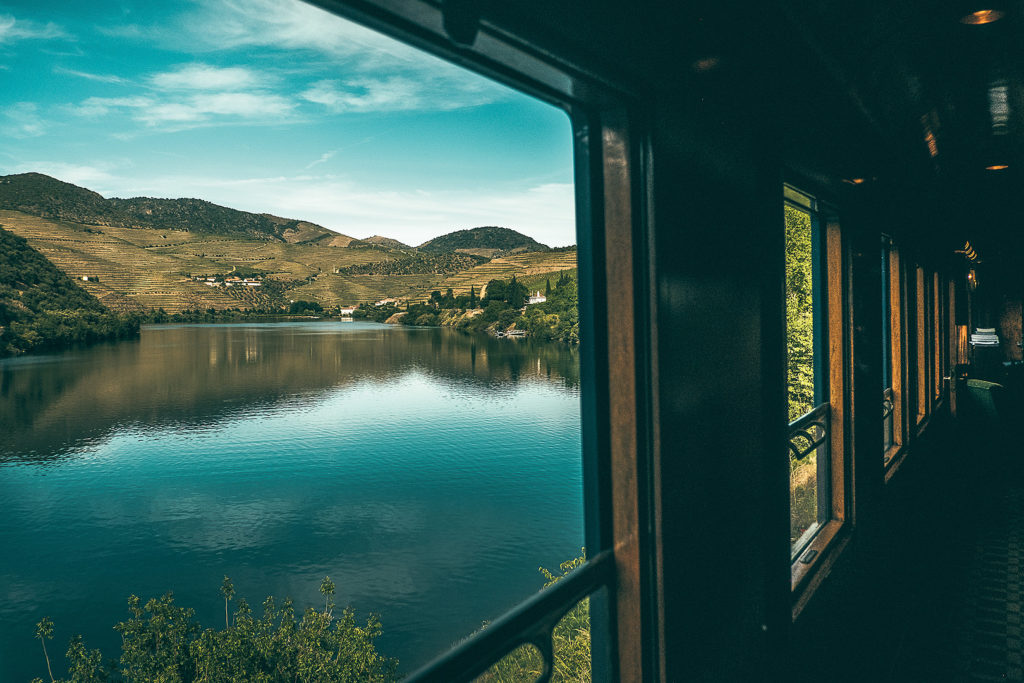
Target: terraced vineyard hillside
{"x": 334, "y": 290}
{"x": 138, "y": 268}
{"x": 531, "y": 264}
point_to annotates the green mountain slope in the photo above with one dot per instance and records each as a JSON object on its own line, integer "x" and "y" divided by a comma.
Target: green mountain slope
{"x": 41, "y": 307}
{"x": 382, "y": 241}
{"x": 486, "y": 239}
{"x": 46, "y": 197}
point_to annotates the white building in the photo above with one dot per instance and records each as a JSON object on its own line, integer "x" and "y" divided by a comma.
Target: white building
{"x": 347, "y": 310}
{"x": 537, "y": 298}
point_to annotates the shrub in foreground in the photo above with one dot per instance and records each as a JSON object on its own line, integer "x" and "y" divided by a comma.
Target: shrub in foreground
{"x": 161, "y": 641}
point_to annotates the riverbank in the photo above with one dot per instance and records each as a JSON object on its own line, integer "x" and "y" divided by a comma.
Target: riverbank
{"x": 503, "y": 311}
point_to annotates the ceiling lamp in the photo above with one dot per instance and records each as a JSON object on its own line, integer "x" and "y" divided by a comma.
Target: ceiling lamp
{"x": 982, "y": 16}
{"x": 997, "y": 167}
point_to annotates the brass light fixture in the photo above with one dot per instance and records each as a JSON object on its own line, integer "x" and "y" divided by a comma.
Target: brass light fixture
{"x": 997, "y": 167}
{"x": 982, "y": 16}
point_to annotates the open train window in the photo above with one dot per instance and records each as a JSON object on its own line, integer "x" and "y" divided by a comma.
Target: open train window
{"x": 938, "y": 318}
{"x": 815, "y": 322}
{"x": 921, "y": 344}
{"x": 604, "y": 172}
{"x": 893, "y": 434}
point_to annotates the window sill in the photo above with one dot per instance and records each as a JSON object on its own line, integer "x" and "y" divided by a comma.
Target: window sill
{"x": 805, "y": 578}
{"x": 893, "y": 459}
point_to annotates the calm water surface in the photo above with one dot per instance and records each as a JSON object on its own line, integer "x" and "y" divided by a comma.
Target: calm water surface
{"x": 427, "y": 472}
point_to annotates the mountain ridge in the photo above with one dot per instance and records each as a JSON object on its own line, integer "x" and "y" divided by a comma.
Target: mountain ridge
{"x": 478, "y": 241}
{"x": 47, "y": 197}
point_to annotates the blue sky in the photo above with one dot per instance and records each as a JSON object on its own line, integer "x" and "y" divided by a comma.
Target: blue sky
{"x": 276, "y": 106}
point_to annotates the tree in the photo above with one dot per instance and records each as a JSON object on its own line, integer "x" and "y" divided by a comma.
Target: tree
{"x": 495, "y": 291}
{"x": 516, "y": 293}
{"x": 547, "y": 287}
{"x": 472, "y": 297}
{"x": 44, "y": 632}
{"x": 227, "y": 589}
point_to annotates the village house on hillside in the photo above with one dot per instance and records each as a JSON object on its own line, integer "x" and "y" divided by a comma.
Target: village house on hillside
{"x": 229, "y": 282}
{"x": 537, "y": 298}
{"x": 346, "y": 310}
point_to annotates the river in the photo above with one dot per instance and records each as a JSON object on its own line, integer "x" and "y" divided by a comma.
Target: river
{"x": 427, "y": 472}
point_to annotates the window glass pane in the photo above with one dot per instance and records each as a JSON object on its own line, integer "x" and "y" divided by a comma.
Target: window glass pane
{"x": 800, "y": 311}
{"x": 888, "y": 407}
{"x": 342, "y": 373}
{"x": 921, "y": 337}
{"x": 936, "y": 336}
{"x": 808, "y": 438}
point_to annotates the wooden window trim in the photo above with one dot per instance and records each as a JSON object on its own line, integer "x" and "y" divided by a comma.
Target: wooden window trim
{"x": 828, "y": 543}
{"x": 952, "y": 344}
{"x": 895, "y": 457}
{"x": 921, "y": 348}
{"x": 896, "y": 357}
{"x": 835, "y": 279}
{"x": 936, "y": 328}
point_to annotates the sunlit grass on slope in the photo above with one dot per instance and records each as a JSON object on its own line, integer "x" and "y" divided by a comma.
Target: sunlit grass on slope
{"x": 570, "y": 641}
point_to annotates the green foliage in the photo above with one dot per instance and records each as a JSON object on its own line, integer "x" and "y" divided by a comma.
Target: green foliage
{"x": 799, "y": 312}
{"x": 161, "y": 641}
{"x": 41, "y": 308}
{"x": 489, "y": 237}
{"x": 570, "y": 640}
{"x": 297, "y": 307}
{"x": 417, "y": 264}
{"x": 556, "y": 319}
{"x": 803, "y": 496}
{"x": 800, "y": 362}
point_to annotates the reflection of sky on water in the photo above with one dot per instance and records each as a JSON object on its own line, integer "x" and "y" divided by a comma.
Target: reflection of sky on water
{"x": 428, "y": 496}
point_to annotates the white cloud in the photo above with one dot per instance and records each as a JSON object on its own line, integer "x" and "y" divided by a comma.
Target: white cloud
{"x": 384, "y": 74}
{"x": 97, "y": 178}
{"x": 210, "y": 107}
{"x": 392, "y": 93}
{"x": 21, "y": 120}
{"x": 199, "y": 76}
{"x": 101, "y": 106}
{"x": 326, "y": 156}
{"x": 12, "y": 29}
{"x": 545, "y": 212}
{"x": 173, "y": 114}
{"x": 233, "y": 24}
{"x": 101, "y": 78}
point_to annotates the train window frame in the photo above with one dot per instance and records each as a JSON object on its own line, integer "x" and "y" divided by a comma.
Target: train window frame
{"x": 810, "y": 556}
{"x": 894, "y": 398}
{"x": 937, "y": 337}
{"x": 951, "y": 344}
{"x": 610, "y": 172}
{"x": 921, "y": 360}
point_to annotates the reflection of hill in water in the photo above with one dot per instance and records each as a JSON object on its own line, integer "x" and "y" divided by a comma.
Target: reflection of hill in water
{"x": 194, "y": 375}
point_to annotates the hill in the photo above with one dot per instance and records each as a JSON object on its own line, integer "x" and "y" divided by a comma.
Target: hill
{"x": 41, "y": 307}
{"x": 46, "y": 197}
{"x": 132, "y": 267}
{"x": 486, "y": 241}
{"x": 381, "y": 241}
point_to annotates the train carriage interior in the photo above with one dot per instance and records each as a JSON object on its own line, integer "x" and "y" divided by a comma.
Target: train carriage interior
{"x": 801, "y": 270}
{"x": 720, "y": 147}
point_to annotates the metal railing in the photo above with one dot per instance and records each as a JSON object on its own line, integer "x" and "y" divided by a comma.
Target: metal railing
{"x": 532, "y": 622}
{"x": 809, "y": 432}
